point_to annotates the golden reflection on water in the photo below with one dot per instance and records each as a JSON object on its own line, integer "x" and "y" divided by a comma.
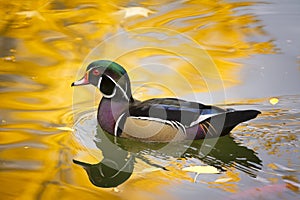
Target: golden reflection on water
{"x": 43, "y": 44}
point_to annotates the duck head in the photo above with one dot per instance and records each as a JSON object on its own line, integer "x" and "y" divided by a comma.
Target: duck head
{"x": 109, "y": 77}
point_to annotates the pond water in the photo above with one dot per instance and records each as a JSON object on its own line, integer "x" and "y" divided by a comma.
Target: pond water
{"x": 240, "y": 54}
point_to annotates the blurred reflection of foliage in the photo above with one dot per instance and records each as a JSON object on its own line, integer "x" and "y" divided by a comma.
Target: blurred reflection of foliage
{"x": 50, "y": 39}
{"x": 67, "y": 30}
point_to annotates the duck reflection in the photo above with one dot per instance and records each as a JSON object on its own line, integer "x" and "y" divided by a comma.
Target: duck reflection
{"x": 115, "y": 167}
{"x": 120, "y": 154}
{"x": 109, "y": 173}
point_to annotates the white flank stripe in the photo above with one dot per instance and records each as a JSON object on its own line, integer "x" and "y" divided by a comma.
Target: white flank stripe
{"x": 204, "y": 117}
{"x": 99, "y": 82}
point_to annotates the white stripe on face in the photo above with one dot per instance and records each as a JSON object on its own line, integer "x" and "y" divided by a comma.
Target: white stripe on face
{"x": 99, "y": 82}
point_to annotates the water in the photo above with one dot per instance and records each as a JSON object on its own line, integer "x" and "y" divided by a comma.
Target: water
{"x": 239, "y": 54}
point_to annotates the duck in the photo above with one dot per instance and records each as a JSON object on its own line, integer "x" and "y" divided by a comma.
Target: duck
{"x": 156, "y": 119}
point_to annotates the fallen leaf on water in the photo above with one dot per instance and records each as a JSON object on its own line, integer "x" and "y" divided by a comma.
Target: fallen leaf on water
{"x": 223, "y": 180}
{"x": 274, "y": 101}
{"x": 201, "y": 170}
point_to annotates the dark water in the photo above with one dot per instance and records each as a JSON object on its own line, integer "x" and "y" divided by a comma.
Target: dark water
{"x": 234, "y": 53}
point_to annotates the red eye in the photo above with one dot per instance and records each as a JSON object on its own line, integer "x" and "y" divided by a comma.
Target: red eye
{"x": 96, "y": 72}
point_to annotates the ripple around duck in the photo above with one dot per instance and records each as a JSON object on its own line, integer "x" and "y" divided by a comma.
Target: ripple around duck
{"x": 224, "y": 155}
{"x": 259, "y": 135}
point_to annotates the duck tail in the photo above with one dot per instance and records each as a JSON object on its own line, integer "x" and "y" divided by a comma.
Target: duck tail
{"x": 235, "y": 117}
{"x": 227, "y": 121}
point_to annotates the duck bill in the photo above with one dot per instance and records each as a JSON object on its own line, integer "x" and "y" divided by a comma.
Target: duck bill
{"x": 83, "y": 81}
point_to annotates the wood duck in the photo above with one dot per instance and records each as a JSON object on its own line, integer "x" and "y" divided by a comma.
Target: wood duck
{"x": 158, "y": 119}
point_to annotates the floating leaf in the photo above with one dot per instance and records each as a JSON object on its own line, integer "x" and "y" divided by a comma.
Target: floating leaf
{"x": 202, "y": 169}
{"x": 223, "y": 180}
{"x": 274, "y": 101}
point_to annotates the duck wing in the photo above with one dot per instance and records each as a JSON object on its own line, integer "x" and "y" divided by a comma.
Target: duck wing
{"x": 171, "y": 109}
{"x": 169, "y": 119}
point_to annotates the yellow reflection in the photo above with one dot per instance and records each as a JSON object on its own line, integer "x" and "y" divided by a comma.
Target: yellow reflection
{"x": 43, "y": 45}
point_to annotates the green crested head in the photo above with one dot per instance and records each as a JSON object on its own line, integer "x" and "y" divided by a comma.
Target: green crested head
{"x": 108, "y": 67}
{"x": 109, "y": 77}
